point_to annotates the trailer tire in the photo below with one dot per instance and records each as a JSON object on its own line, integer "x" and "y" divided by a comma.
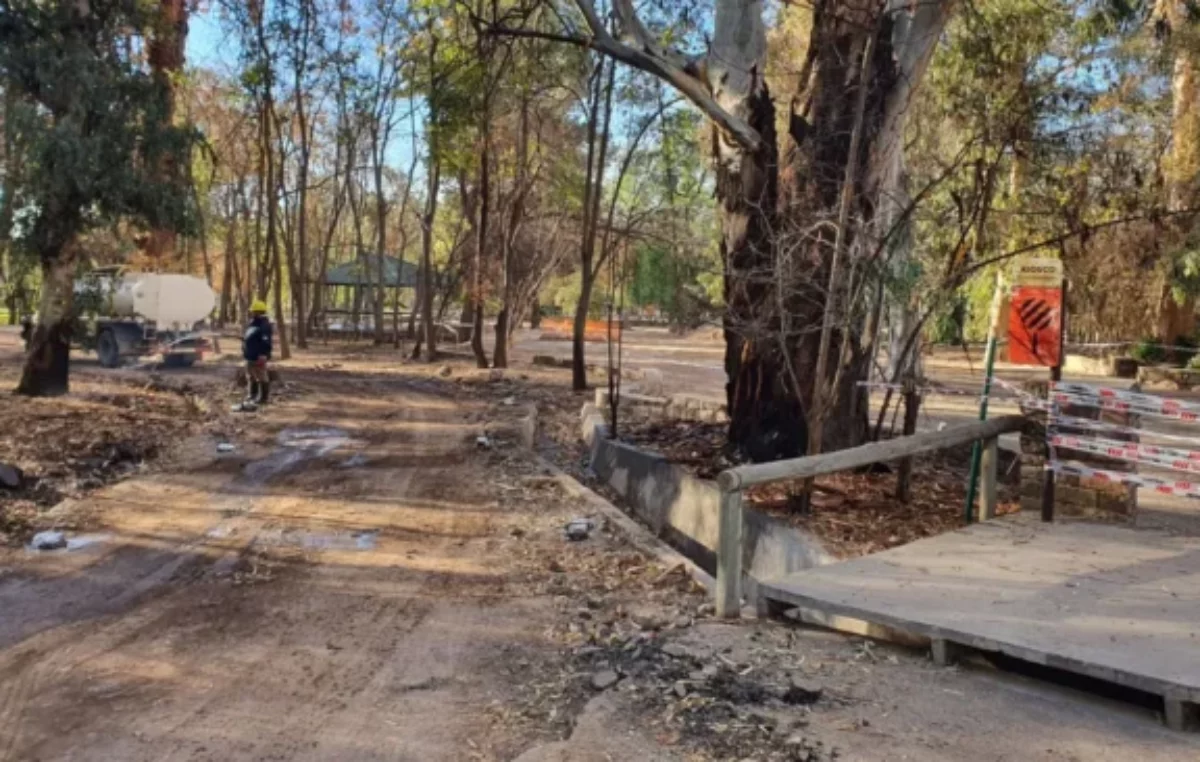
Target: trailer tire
{"x": 108, "y": 349}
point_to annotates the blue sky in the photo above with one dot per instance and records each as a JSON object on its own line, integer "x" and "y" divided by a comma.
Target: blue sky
{"x": 207, "y": 44}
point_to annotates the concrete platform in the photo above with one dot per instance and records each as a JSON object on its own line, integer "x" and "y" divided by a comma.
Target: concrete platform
{"x": 1112, "y": 603}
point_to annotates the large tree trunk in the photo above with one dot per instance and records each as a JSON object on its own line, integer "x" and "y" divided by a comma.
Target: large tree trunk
{"x": 47, "y": 363}
{"x": 819, "y": 164}
{"x": 766, "y": 419}
{"x": 165, "y": 54}
{"x": 779, "y": 241}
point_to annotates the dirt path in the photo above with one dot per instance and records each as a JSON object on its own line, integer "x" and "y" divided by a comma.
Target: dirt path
{"x": 335, "y": 591}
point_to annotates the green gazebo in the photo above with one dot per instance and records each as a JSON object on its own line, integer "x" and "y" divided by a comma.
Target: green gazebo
{"x": 350, "y": 290}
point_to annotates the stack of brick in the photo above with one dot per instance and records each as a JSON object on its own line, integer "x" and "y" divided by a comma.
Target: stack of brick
{"x": 1075, "y": 496}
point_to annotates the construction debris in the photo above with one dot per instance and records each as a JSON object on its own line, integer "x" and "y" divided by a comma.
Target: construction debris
{"x": 48, "y": 541}
{"x": 578, "y": 530}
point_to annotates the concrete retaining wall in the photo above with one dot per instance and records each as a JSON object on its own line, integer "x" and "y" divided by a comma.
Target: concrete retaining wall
{"x": 684, "y": 510}
{"x": 1106, "y": 364}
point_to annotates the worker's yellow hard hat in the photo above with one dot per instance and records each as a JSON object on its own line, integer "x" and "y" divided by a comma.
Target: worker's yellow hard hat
{"x": 258, "y": 306}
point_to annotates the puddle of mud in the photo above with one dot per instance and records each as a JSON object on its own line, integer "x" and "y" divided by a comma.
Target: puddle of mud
{"x": 295, "y": 447}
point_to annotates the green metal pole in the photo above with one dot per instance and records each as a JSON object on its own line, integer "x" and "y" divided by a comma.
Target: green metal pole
{"x": 988, "y": 363}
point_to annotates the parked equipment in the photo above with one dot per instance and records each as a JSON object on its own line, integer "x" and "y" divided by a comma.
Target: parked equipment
{"x": 125, "y": 314}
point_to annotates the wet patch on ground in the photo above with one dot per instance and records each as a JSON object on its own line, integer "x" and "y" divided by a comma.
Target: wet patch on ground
{"x": 296, "y": 446}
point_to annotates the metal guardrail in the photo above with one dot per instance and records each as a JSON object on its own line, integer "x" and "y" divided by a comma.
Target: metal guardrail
{"x": 733, "y": 481}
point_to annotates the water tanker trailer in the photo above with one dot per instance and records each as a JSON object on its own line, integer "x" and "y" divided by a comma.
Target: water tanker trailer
{"x": 123, "y": 314}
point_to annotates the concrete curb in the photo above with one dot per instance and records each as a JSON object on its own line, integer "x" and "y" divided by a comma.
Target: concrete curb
{"x": 524, "y": 428}
{"x": 529, "y": 426}
{"x": 641, "y": 537}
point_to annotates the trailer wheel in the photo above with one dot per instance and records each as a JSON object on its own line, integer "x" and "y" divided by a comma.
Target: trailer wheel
{"x": 107, "y": 349}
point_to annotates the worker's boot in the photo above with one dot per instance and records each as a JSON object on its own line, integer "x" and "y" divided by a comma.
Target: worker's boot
{"x": 250, "y": 404}
{"x": 245, "y": 406}
{"x": 264, "y": 391}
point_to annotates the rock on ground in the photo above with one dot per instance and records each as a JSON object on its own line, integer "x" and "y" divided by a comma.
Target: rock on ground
{"x": 10, "y": 476}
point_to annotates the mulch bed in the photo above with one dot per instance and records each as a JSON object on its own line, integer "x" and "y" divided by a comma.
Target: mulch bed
{"x": 852, "y": 513}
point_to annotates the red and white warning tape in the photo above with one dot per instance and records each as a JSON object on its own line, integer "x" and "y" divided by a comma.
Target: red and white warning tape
{"x": 1174, "y": 412}
{"x": 1131, "y": 452}
{"x": 1161, "y": 486}
{"x": 1151, "y": 401}
{"x": 1086, "y": 424}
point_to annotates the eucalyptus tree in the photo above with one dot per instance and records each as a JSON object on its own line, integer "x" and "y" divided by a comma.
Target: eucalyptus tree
{"x": 791, "y": 205}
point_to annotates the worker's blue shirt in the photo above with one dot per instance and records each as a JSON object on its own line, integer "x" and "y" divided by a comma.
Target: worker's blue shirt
{"x": 256, "y": 342}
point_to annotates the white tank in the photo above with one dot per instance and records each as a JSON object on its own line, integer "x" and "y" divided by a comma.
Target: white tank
{"x": 172, "y": 301}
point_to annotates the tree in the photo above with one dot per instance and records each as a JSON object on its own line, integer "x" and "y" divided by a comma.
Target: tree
{"x": 91, "y": 134}
{"x": 165, "y": 54}
{"x": 785, "y": 206}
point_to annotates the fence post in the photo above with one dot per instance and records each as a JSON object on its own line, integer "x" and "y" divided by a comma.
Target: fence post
{"x": 990, "y": 465}
{"x": 729, "y": 555}
{"x": 912, "y": 408}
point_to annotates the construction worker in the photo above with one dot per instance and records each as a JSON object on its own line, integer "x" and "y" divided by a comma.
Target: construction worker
{"x": 256, "y": 349}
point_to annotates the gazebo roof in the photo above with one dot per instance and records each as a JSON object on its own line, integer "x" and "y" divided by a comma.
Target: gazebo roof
{"x": 362, "y": 272}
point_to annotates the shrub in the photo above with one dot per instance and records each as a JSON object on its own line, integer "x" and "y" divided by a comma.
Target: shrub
{"x": 1148, "y": 352}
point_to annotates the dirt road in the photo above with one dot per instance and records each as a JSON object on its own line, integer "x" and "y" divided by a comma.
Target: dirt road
{"x": 336, "y": 589}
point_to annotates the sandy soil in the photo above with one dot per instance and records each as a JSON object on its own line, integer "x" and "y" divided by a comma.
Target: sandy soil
{"x": 359, "y": 580}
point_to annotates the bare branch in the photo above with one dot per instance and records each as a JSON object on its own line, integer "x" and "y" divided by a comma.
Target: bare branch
{"x": 647, "y": 56}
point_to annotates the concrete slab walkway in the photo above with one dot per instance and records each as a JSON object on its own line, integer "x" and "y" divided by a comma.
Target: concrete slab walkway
{"x": 1113, "y": 603}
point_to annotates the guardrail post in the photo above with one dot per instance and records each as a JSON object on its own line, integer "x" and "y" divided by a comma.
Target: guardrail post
{"x": 729, "y": 555}
{"x": 990, "y": 464}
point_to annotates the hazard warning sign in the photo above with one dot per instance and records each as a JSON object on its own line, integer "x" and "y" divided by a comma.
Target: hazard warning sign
{"x": 1035, "y": 314}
